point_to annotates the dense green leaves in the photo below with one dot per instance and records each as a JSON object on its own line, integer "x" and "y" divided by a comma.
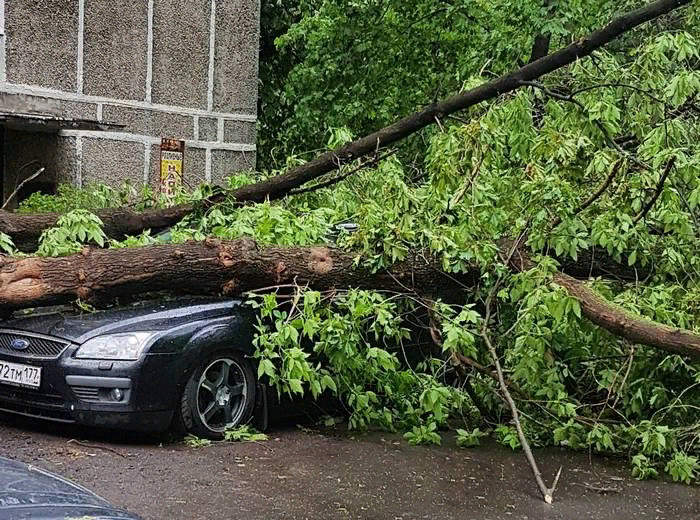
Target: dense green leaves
{"x": 522, "y": 165}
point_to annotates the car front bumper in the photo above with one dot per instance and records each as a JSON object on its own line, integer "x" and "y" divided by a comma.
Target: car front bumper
{"x": 82, "y": 391}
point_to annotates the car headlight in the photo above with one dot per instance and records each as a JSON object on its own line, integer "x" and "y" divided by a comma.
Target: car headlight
{"x": 115, "y": 346}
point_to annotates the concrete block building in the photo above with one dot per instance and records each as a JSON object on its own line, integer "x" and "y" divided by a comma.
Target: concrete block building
{"x": 89, "y": 87}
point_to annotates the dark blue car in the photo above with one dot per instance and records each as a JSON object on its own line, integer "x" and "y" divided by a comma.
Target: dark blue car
{"x": 151, "y": 366}
{"x": 30, "y": 492}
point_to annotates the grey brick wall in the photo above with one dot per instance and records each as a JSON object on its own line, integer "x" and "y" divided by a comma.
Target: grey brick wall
{"x": 184, "y": 69}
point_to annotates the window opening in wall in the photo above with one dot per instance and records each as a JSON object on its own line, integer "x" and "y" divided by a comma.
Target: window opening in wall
{"x": 2, "y": 163}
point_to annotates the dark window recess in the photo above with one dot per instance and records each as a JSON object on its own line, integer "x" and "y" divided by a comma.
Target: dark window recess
{"x": 2, "y": 163}
{"x": 43, "y": 187}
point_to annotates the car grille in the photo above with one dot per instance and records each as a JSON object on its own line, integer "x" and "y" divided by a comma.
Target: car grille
{"x": 33, "y": 403}
{"x": 38, "y": 347}
{"x": 86, "y": 393}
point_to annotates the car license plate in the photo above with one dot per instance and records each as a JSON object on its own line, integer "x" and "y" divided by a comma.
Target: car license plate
{"x": 22, "y": 375}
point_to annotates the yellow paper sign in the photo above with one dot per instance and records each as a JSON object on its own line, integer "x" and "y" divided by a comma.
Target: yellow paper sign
{"x": 172, "y": 155}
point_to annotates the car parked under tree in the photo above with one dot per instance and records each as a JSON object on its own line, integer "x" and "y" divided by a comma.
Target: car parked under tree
{"x": 183, "y": 364}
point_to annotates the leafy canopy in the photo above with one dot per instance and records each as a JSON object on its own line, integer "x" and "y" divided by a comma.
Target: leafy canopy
{"x": 525, "y": 162}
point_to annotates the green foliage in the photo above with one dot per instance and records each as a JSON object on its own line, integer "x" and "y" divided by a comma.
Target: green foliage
{"x": 514, "y": 166}
{"x": 683, "y": 467}
{"x": 244, "y": 433}
{"x": 192, "y": 441}
{"x": 469, "y": 439}
{"x": 508, "y": 436}
{"x": 6, "y": 244}
{"x": 364, "y": 64}
{"x": 642, "y": 468}
{"x": 75, "y": 228}
{"x": 423, "y": 434}
{"x": 69, "y": 197}
{"x": 353, "y": 346}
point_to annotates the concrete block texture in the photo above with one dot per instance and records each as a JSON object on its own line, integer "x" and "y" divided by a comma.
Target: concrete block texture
{"x": 116, "y": 44}
{"x": 181, "y": 52}
{"x": 195, "y": 167}
{"x": 112, "y": 162}
{"x": 236, "y": 56}
{"x": 225, "y": 163}
{"x": 42, "y": 43}
{"x": 239, "y": 132}
{"x": 26, "y": 152}
{"x": 150, "y": 122}
{"x": 208, "y": 129}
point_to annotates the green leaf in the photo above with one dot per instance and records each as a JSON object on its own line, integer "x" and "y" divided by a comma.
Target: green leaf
{"x": 327, "y": 382}
{"x": 295, "y": 386}
{"x": 266, "y": 367}
{"x": 576, "y": 306}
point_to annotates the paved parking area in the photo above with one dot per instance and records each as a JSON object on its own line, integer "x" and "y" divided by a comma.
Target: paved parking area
{"x": 316, "y": 475}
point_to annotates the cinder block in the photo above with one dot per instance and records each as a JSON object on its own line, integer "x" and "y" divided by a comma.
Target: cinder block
{"x": 195, "y": 167}
{"x": 225, "y": 163}
{"x": 66, "y": 160}
{"x": 239, "y": 132}
{"x": 181, "y": 52}
{"x": 236, "y": 56}
{"x": 112, "y": 162}
{"x": 208, "y": 129}
{"x": 115, "y": 48}
{"x": 150, "y": 122}
{"x": 78, "y": 110}
{"x": 42, "y": 43}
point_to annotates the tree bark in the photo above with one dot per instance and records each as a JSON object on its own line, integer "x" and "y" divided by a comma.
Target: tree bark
{"x": 617, "y": 320}
{"x": 620, "y": 322}
{"x": 234, "y": 267}
{"x": 25, "y": 230}
{"x": 210, "y": 267}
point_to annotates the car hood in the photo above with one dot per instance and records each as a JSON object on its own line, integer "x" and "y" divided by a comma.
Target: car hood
{"x": 147, "y": 316}
{"x": 30, "y": 492}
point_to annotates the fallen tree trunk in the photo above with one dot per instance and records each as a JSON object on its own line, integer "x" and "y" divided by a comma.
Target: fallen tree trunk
{"x": 235, "y": 267}
{"x": 208, "y": 267}
{"x": 26, "y": 229}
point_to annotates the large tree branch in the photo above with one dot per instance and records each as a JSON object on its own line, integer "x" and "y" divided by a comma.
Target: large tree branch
{"x": 235, "y": 267}
{"x": 208, "y": 267}
{"x": 277, "y": 187}
{"x": 25, "y": 229}
{"x": 617, "y": 320}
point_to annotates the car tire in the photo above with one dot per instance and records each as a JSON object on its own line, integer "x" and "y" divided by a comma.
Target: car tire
{"x": 219, "y": 395}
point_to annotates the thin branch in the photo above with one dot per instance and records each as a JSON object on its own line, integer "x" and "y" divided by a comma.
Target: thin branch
{"x": 547, "y": 493}
{"x": 595, "y": 196}
{"x": 460, "y": 193}
{"x": 620, "y": 85}
{"x": 21, "y": 184}
{"x": 367, "y": 164}
{"x": 657, "y": 193}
